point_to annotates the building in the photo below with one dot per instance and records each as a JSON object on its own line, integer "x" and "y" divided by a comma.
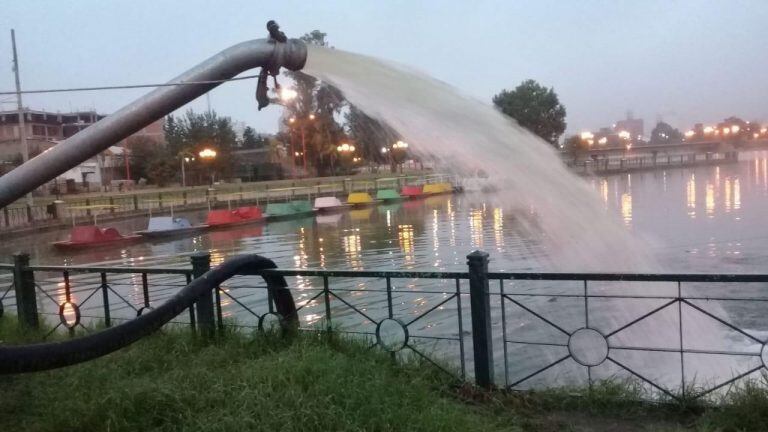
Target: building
{"x": 635, "y": 127}
{"x": 45, "y": 129}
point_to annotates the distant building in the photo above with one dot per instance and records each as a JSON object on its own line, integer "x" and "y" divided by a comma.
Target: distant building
{"x": 45, "y": 129}
{"x": 635, "y": 127}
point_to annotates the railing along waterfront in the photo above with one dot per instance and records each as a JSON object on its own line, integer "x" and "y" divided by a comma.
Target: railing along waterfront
{"x": 668, "y": 332}
{"x": 143, "y": 202}
{"x": 617, "y": 164}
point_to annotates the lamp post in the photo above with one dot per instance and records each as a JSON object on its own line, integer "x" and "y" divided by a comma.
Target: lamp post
{"x": 345, "y": 151}
{"x": 208, "y": 154}
{"x": 185, "y": 159}
{"x": 398, "y": 152}
{"x": 302, "y": 122}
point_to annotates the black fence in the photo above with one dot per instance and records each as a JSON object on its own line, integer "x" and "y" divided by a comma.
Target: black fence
{"x": 678, "y": 336}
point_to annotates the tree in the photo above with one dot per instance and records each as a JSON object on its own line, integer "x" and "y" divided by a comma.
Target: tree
{"x": 161, "y": 171}
{"x": 196, "y": 131}
{"x": 250, "y": 141}
{"x": 142, "y": 151}
{"x": 664, "y": 133}
{"x": 574, "y": 146}
{"x": 536, "y": 108}
{"x": 370, "y": 136}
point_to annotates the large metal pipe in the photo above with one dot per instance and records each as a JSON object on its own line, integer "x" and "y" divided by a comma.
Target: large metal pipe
{"x": 291, "y": 54}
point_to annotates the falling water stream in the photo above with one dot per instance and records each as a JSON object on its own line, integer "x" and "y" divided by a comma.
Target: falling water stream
{"x": 557, "y": 208}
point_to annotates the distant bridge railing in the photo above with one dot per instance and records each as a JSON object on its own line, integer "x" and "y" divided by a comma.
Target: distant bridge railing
{"x": 678, "y": 336}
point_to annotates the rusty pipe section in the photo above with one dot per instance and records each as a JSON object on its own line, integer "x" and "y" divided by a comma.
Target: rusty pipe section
{"x": 266, "y": 53}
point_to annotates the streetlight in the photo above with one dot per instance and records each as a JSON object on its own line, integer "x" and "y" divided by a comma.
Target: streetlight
{"x": 397, "y": 154}
{"x": 588, "y": 137}
{"x": 287, "y": 94}
{"x": 185, "y": 159}
{"x": 208, "y": 154}
{"x": 302, "y": 122}
{"x": 345, "y": 148}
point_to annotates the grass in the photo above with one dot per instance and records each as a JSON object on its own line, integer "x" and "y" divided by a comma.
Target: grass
{"x": 173, "y": 381}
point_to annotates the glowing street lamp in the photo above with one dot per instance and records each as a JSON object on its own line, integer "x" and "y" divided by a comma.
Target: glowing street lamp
{"x": 624, "y": 135}
{"x": 735, "y": 128}
{"x": 185, "y": 159}
{"x": 302, "y": 123}
{"x": 208, "y": 154}
{"x": 690, "y": 134}
{"x": 345, "y": 148}
{"x": 287, "y": 94}
{"x": 708, "y": 130}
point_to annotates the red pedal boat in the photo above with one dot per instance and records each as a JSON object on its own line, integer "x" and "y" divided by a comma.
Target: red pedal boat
{"x": 238, "y": 216}
{"x": 90, "y": 236}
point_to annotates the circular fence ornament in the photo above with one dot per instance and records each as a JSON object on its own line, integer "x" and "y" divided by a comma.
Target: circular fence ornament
{"x": 270, "y": 322}
{"x": 69, "y": 314}
{"x": 764, "y": 355}
{"x": 391, "y": 334}
{"x": 588, "y": 347}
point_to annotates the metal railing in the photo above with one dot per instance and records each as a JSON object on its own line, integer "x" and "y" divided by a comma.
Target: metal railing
{"x": 671, "y": 333}
{"x": 193, "y": 198}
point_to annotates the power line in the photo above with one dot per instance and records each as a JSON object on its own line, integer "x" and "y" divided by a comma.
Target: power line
{"x": 122, "y": 87}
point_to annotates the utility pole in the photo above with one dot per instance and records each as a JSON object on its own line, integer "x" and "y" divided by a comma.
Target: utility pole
{"x": 22, "y": 126}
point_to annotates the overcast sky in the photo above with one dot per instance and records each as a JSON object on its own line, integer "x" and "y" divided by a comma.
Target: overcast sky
{"x": 683, "y": 61}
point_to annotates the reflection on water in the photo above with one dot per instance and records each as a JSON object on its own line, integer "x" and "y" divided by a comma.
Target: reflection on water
{"x": 476, "y": 227}
{"x": 405, "y": 237}
{"x": 691, "y": 192}
{"x": 697, "y": 217}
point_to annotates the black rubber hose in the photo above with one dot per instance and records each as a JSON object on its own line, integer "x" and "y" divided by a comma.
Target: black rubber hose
{"x": 51, "y": 355}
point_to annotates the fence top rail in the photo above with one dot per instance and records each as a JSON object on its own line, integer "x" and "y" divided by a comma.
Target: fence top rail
{"x": 368, "y": 273}
{"x": 87, "y": 269}
{"x": 632, "y": 277}
{"x": 397, "y": 274}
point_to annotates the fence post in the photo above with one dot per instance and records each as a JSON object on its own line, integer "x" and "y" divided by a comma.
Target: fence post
{"x": 480, "y": 302}
{"x": 184, "y": 197}
{"x": 24, "y": 285}
{"x": 135, "y": 202}
{"x": 30, "y": 217}
{"x": 201, "y": 263}
{"x": 6, "y": 216}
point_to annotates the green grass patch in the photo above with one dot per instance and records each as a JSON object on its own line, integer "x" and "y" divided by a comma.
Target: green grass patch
{"x": 173, "y": 381}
